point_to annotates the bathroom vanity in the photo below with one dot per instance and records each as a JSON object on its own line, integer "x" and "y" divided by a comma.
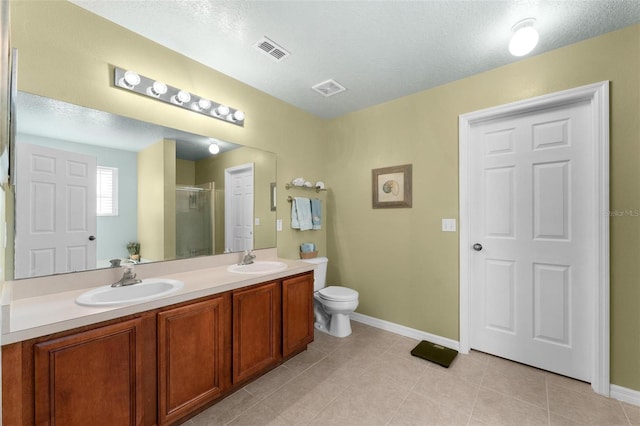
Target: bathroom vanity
{"x": 164, "y": 364}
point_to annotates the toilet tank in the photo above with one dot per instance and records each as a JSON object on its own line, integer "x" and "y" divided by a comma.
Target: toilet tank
{"x": 320, "y": 273}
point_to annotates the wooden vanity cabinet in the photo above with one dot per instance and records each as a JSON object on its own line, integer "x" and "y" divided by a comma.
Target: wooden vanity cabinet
{"x": 157, "y": 367}
{"x": 101, "y": 374}
{"x": 193, "y": 341}
{"x": 256, "y": 330}
{"x": 297, "y": 313}
{"x": 90, "y": 377}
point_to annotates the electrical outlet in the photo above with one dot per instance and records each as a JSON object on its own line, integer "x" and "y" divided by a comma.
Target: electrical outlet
{"x": 279, "y": 225}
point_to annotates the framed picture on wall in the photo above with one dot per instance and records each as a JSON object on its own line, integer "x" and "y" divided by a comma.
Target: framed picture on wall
{"x": 391, "y": 187}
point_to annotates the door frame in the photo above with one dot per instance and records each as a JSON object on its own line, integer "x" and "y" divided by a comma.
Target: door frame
{"x": 597, "y": 95}
{"x": 228, "y": 210}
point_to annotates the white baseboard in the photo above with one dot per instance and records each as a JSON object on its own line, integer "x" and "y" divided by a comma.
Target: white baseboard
{"x": 405, "y": 331}
{"x": 625, "y": 395}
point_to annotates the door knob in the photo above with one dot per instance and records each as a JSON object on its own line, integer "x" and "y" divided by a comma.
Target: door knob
{"x": 91, "y": 238}
{"x": 477, "y": 246}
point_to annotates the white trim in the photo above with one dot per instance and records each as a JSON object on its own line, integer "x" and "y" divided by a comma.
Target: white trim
{"x": 405, "y": 331}
{"x": 629, "y": 396}
{"x": 598, "y": 95}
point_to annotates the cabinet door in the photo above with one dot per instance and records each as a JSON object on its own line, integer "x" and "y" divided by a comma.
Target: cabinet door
{"x": 91, "y": 378}
{"x": 190, "y": 356}
{"x": 297, "y": 313}
{"x": 256, "y": 330}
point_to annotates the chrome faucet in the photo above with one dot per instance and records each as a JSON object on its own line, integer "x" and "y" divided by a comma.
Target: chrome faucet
{"x": 128, "y": 278}
{"x": 247, "y": 258}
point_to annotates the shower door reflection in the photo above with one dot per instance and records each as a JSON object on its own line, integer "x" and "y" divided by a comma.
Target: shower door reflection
{"x": 194, "y": 221}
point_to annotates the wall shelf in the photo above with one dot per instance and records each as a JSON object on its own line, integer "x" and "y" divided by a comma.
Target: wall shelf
{"x": 289, "y": 185}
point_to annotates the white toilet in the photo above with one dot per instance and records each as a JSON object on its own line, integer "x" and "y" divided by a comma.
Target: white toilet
{"x": 332, "y": 305}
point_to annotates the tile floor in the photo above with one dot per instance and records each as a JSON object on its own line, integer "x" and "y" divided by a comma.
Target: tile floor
{"x": 370, "y": 378}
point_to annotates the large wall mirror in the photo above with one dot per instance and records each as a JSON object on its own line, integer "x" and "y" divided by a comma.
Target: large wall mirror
{"x": 93, "y": 189}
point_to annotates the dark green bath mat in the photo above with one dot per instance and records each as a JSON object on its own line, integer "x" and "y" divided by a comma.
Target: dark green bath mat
{"x": 434, "y": 353}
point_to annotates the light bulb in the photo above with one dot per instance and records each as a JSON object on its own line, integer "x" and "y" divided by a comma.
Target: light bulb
{"x": 181, "y": 97}
{"x": 238, "y": 116}
{"x": 221, "y": 110}
{"x": 524, "y": 39}
{"x": 130, "y": 79}
{"x": 214, "y": 149}
{"x": 203, "y": 104}
{"x": 156, "y": 89}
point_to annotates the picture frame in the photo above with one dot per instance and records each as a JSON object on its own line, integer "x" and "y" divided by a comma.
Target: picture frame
{"x": 391, "y": 187}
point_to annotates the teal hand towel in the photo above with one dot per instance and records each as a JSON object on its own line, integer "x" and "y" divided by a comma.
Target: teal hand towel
{"x": 303, "y": 208}
{"x": 295, "y": 223}
{"x": 316, "y": 213}
{"x": 307, "y": 247}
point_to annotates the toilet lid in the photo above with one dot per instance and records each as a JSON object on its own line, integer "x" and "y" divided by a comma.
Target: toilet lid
{"x": 338, "y": 294}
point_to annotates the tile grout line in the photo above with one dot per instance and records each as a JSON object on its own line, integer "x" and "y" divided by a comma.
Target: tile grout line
{"x": 249, "y": 406}
{"x": 546, "y": 390}
{"x": 475, "y": 399}
{"x": 407, "y": 396}
{"x": 625, "y": 413}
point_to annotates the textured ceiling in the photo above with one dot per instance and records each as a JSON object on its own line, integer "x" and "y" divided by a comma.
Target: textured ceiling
{"x": 378, "y": 50}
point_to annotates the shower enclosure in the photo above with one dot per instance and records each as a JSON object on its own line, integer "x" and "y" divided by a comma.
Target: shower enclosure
{"x": 194, "y": 221}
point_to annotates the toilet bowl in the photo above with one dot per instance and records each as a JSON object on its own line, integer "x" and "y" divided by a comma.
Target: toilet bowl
{"x": 332, "y": 305}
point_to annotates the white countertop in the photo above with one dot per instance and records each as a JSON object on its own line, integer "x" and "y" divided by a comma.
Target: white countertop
{"x": 40, "y": 315}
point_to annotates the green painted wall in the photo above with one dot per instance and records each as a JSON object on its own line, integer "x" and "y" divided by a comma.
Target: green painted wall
{"x": 212, "y": 169}
{"x": 405, "y": 268}
{"x": 157, "y": 201}
{"x": 403, "y": 265}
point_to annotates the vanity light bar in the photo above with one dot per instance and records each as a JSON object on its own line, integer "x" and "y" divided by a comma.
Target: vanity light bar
{"x": 134, "y": 82}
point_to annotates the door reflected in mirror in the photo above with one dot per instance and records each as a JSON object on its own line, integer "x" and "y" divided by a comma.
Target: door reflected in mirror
{"x": 92, "y": 186}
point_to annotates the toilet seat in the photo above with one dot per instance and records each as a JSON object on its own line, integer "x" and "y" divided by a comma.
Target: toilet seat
{"x": 338, "y": 294}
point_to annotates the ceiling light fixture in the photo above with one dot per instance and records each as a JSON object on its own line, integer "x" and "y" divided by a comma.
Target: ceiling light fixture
{"x": 524, "y": 38}
{"x": 134, "y": 82}
{"x": 214, "y": 148}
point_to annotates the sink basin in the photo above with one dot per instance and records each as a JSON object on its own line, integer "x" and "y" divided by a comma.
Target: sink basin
{"x": 146, "y": 290}
{"x": 258, "y": 267}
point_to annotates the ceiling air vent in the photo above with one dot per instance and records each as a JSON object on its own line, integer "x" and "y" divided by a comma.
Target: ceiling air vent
{"x": 271, "y": 49}
{"x": 328, "y": 88}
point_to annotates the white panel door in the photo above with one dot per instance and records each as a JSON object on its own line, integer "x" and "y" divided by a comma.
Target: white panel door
{"x": 529, "y": 209}
{"x": 239, "y": 208}
{"x": 56, "y": 198}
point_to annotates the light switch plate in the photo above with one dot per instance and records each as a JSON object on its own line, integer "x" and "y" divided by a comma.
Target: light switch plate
{"x": 279, "y": 225}
{"x": 257, "y": 221}
{"x": 448, "y": 225}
